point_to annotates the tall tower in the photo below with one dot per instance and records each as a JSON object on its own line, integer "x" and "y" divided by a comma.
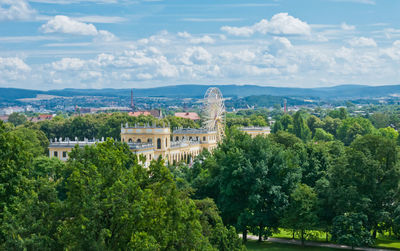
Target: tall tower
{"x": 285, "y": 105}
{"x": 132, "y": 105}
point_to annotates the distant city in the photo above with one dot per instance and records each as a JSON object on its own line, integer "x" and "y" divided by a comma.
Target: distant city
{"x": 40, "y": 106}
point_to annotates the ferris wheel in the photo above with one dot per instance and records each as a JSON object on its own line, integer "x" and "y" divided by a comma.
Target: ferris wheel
{"x": 214, "y": 109}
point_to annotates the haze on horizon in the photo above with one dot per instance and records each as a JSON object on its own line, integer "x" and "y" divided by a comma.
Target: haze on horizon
{"x": 56, "y": 44}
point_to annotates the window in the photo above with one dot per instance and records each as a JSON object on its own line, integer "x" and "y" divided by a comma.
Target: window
{"x": 177, "y": 138}
{"x": 190, "y": 138}
{"x": 158, "y": 143}
{"x": 204, "y": 138}
{"x": 149, "y": 140}
{"x": 130, "y": 140}
{"x": 139, "y": 141}
{"x": 55, "y": 154}
{"x": 64, "y": 154}
{"x": 166, "y": 142}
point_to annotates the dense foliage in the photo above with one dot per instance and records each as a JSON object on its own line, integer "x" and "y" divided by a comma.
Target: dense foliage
{"x": 335, "y": 173}
{"x": 103, "y": 125}
{"x": 101, "y": 199}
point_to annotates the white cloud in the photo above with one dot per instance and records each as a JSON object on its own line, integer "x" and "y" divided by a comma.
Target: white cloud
{"x": 64, "y": 24}
{"x": 16, "y": 10}
{"x": 280, "y": 24}
{"x": 90, "y": 75}
{"x": 238, "y": 31}
{"x": 244, "y": 55}
{"x": 196, "y": 55}
{"x": 202, "y": 40}
{"x": 256, "y": 70}
{"x": 13, "y": 69}
{"x": 184, "y": 34}
{"x": 68, "y": 64}
{"x": 14, "y": 64}
{"x": 206, "y": 39}
{"x": 283, "y": 23}
{"x": 101, "y": 19}
{"x": 347, "y": 27}
{"x": 67, "y": 25}
{"x": 345, "y": 53}
{"x": 390, "y": 32}
{"x": 144, "y": 76}
{"x": 284, "y": 41}
{"x": 362, "y": 42}
{"x": 394, "y": 51}
{"x": 105, "y": 36}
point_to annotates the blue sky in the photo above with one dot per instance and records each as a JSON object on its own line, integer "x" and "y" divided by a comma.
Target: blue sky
{"x": 55, "y": 44}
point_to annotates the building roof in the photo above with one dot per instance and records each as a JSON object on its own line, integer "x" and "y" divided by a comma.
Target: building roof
{"x": 41, "y": 117}
{"x": 192, "y": 131}
{"x": 154, "y": 113}
{"x": 187, "y": 115}
{"x": 138, "y": 113}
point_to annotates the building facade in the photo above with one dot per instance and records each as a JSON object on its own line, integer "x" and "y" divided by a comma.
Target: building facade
{"x": 151, "y": 142}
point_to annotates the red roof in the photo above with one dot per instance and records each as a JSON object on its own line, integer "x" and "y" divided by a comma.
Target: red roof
{"x": 137, "y": 114}
{"x": 45, "y": 116}
{"x": 187, "y": 115}
{"x": 155, "y": 113}
{"x": 41, "y": 117}
{"x": 4, "y": 118}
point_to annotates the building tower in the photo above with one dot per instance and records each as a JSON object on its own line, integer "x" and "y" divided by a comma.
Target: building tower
{"x": 132, "y": 105}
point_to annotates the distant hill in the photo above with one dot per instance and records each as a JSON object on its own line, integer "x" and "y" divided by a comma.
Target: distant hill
{"x": 336, "y": 92}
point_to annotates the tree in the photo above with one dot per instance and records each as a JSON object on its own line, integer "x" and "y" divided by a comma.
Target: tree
{"x": 277, "y": 127}
{"x": 321, "y": 135}
{"x": 286, "y": 121}
{"x": 32, "y": 223}
{"x": 14, "y": 168}
{"x": 365, "y": 180}
{"x": 300, "y": 128}
{"x": 313, "y": 122}
{"x": 331, "y": 125}
{"x": 35, "y": 140}
{"x": 301, "y": 213}
{"x": 378, "y": 180}
{"x": 380, "y": 120}
{"x": 219, "y": 236}
{"x": 286, "y": 139}
{"x": 340, "y": 113}
{"x": 17, "y": 118}
{"x": 251, "y": 180}
{"x": 352, "y": 127}
{"x": 389, "y": 133}
{"x": 112, "y": 201}
{"x": 349, "y": 229}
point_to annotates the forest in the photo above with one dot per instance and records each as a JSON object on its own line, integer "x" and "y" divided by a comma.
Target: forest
{"x": 332, "y": 173}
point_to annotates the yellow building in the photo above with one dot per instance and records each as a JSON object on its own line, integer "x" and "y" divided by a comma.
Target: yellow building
{"x": 151, "y": 142}
{"x": 254, "y": 131}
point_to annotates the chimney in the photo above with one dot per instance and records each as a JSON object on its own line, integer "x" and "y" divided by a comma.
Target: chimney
{"x": 132, "y": 105}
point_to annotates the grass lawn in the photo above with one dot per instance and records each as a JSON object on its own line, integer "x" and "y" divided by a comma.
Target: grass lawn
{"x": 310, "y": 235}
{"x": 255, "y": 245}
{"x": 383, "y": 241}
{"x": 387, "y": 243}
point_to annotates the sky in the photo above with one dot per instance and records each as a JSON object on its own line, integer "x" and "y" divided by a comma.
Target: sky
{"x": 56, "y": 44}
